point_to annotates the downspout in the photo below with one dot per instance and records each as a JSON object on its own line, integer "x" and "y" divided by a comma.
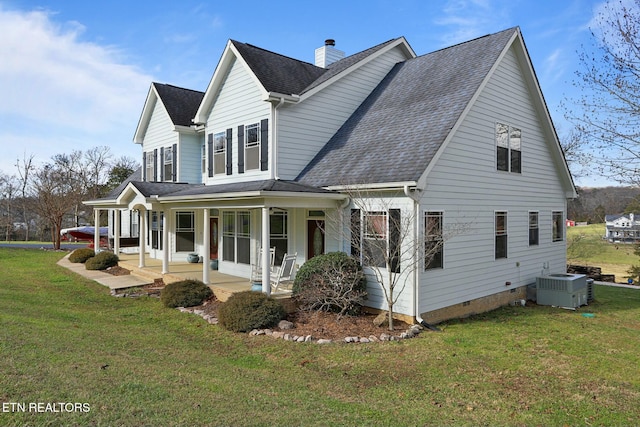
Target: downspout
{"x": 274, "y": 140}
{"x": 416, "y": 284}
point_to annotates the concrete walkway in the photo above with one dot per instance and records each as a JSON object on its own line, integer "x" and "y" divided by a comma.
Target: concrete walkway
{"x": 106, "y": 279}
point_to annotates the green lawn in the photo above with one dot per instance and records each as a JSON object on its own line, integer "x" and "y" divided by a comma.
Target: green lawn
{"x": 63, "y": 338}
{"x": 585, "y": 246}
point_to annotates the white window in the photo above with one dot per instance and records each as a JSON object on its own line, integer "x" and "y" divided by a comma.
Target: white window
{"x": 219, "y": 152}
{"x": 558, "y": 226}
{"x": 252, "y": 146}
{"x": 501, "y": 235}
{"x": 279, "y": 236}
{"x": 168, "y": 164}
{"x": 534, "y": 231}
{"x": 508, "y": 146}
{"x": 149, "y": 159}
{"x": 203, "y": 159}
{"x": 236, "y": 237}
{"x": 185, "y": 232}
{"x": 375, "y": 238}
{"x": 433, "y": 241}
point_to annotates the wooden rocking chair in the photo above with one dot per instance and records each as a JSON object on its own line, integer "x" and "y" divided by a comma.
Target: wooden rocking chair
{"x": 256, "y": 269}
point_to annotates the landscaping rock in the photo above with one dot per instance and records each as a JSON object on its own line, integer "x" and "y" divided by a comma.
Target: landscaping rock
{"x": 285, "y": 324}
{"x": 324, "y": 341}
{"x": 382, "y": 319}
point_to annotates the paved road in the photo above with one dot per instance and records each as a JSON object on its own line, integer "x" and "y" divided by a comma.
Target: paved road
{"x": 67, "y": 246}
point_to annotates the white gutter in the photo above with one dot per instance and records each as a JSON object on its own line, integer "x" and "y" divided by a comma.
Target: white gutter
{"x": 274, "y": 139}
{"x": 375, "y": 186}
{"x": 416, "y": 283}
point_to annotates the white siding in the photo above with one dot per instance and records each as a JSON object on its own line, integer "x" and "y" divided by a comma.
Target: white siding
{"x": 238, "y": 103}
{"x": 466, "y": 185}
{"x": 189, "y": 159}
{"x": 159, "y": 133}
{"x": 303, "y": 129}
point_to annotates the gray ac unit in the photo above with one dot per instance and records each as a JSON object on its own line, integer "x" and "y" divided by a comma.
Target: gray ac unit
{"x": 562, "y": 290}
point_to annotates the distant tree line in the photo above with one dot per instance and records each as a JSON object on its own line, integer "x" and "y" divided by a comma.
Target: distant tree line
{"x": 39, "y": 200}
{"x": 593, "y": 204}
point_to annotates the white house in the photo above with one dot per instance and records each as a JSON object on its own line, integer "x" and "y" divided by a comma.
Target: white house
{"x": 622, "y": 228}
{"x": 268, "y": 154}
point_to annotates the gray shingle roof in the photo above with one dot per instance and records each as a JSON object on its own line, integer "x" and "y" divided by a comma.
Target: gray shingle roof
{"x": 181, "y": 104}
{"x": 397, "y": 130}
{"x": 278, "y": 73}
{"x": 282, "y": 74}
{"x": 243, "y": 187}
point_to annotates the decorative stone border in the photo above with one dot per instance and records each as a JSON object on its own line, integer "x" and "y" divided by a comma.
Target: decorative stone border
{"x": 412, "y": 332}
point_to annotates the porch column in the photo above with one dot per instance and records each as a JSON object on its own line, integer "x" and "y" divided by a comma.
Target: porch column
{"x": 116, "y": 231}
{"x": 96, "y": 230}
{"x": 165, "y": 244}
{"x": 266, "y": 259}
{"x": 206, "y": 243}
{"x": 142, "y": 215}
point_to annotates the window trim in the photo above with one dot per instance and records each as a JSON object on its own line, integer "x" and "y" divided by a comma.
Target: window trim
{"x": 502, "y": 234}
{"x": 239, "y": 231}
{"x": 508, "y": 141}
{"x": 535, "y": 227}
{"x": 557, "y": 229}
{"x": 149, "y": 159}
{"x": 219, "y": 151}
{"x": 190, "y": 230}
{"x": 433, "y": 237}
{"x": 167, "y": 163}
{"x": 252, "y": 143}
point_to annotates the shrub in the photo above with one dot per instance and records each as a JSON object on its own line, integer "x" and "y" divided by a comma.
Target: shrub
{"x": 248, "y": 310}
{"x": 81, "y": 255}
{"x": 102, "y": 261}
{"x": 185, "y": 293}
{"x": 331, "y": 282}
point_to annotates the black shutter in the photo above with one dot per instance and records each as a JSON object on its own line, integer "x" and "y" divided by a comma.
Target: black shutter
{"x": 264, "y": 144}
{"x": 175, "y": 162}
{"x": 355, "y": 233}
{"x": 155, "y": 165}
{"x": 144, "y": 166}
{"x": 210, "y": 154}
{"x": 241, "y": 149}
{"x": 394, "y": 240}
{"x": 229, "y": 151}
{"x": 161, "y": 163}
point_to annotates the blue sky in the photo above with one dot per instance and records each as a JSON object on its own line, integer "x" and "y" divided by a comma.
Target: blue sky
{"x": 75, "y": 74}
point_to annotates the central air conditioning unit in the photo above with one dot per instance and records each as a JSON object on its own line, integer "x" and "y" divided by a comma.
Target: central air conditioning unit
{"x": 562, "y": 290}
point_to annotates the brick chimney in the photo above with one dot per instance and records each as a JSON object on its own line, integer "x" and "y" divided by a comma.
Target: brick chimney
{"x": 328, "y": 54}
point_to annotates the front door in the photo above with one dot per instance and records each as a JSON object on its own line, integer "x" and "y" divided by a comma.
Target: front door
{"x": 213, "y": 239}
{"x": 315, "y": 237}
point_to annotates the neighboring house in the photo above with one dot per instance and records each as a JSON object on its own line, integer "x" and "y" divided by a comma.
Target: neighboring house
{"x": 269, "y": 153}
{"x": 622, "y": 228}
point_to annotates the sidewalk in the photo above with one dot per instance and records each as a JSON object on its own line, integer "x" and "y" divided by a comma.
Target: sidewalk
{"x": 106, "y": 279}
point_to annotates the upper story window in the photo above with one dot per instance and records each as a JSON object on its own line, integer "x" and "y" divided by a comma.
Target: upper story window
{"x": 149, "y": 166}
{"x": 219, "y": 152}
{"x": 508, "y": 146}
{"x": 433, "y": 241}
{"x": 534, "y": 231}
{"x": 167, "y": 164}
{"x": 501, "y": 235}
{"x": 252, "y": 146}
{"x": 558, "y": 226}
{"x": 203, "y": 159}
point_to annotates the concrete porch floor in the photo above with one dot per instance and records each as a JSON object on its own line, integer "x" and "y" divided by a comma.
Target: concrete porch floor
{"x": 222, "y": 285}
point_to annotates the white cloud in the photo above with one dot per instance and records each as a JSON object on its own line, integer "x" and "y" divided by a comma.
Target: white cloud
{"x": 61, "y": 93}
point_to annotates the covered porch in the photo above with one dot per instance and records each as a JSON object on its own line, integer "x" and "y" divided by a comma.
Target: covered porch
{"x": 222, "y": 285}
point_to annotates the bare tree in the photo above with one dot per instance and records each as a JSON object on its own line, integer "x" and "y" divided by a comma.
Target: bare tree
{"x": 58, "y": 187}
{"x": 25, "y": 168}
{"x": 383, "y": 231}
{"x": 606, "y": 114}
{"x": 8, "y": 189}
